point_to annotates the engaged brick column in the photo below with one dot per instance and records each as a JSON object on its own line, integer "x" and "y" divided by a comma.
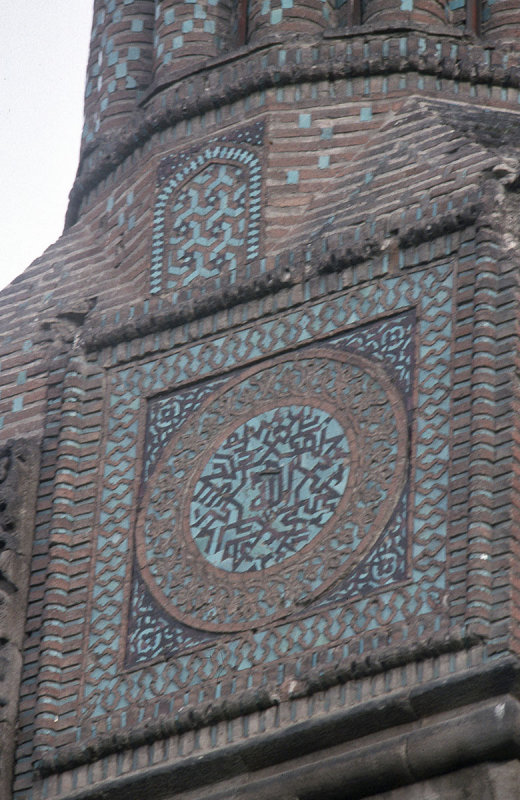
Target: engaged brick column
{"x": 386, "y": 12}
{"x": 501, "y": 20}
{"x": 187, "y": 33}
{"x": 268, "y": 17}
{"x": 120, "y": 63}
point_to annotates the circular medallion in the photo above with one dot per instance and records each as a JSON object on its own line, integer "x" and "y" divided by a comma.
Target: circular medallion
{"x": 269, "y": 488}
{"x": 272, "y": 489}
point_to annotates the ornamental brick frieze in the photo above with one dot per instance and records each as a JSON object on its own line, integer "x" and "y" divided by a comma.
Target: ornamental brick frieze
{"x": 459, "y": 65}
{"x": 329, "y": 256}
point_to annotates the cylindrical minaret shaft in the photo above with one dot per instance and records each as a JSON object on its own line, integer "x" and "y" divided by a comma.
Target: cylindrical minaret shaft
{"x": 189, "y": 33}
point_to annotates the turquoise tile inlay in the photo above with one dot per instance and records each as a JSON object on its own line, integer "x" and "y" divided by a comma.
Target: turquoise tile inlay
{"x": 17, "y": 403}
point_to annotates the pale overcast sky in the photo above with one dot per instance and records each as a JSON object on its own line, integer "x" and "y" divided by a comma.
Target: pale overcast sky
{"x": 43, "y": 59}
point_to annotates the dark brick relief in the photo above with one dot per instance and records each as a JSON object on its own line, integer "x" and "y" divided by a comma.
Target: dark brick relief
{"x": 277, "y": 498}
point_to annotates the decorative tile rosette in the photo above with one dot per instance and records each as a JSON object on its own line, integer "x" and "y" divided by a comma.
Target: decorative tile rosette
{"x": 273, "y": 489}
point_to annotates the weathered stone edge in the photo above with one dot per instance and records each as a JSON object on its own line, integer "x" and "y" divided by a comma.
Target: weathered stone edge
{"x": 261, "y": 699}
{"x": 487, "y": 731}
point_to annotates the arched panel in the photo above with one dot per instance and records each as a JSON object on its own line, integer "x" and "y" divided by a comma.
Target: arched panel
{"x": 207, "y": 217}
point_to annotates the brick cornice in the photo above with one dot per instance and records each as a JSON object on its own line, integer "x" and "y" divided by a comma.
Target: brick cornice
{"x": 317, "y": 680}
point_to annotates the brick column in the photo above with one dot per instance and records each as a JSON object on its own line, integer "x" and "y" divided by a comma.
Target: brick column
{"x": 386, "y": 12}
{"x": 120, "y": 63}
{"x": 188, "y": 33}
{"x": 271, "y": 17}
{"x": 19, "y": 472}
{"x": 501, "y": 20}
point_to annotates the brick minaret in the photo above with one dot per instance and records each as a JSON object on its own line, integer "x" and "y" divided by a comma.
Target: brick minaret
{"x": 259, "y": 414}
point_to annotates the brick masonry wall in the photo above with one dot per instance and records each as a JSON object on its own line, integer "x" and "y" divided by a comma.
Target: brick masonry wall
{"x": 19, "y": 468}
{"x": 347, "y": 201}
{"x": 501, "y": 20}
{"x": 385, "y": 12}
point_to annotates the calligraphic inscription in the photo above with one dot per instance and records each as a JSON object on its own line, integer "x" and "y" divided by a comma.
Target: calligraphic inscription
{"x": 272, "y": 490}
{"x": 269, "y": 488}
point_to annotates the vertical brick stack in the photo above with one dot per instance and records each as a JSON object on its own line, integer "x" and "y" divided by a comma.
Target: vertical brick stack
{"x": 187, "y": 34}
{"x": 269, "y": 18}
{"x": 19, "y": 468}
{"x": 270, "y": 368}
